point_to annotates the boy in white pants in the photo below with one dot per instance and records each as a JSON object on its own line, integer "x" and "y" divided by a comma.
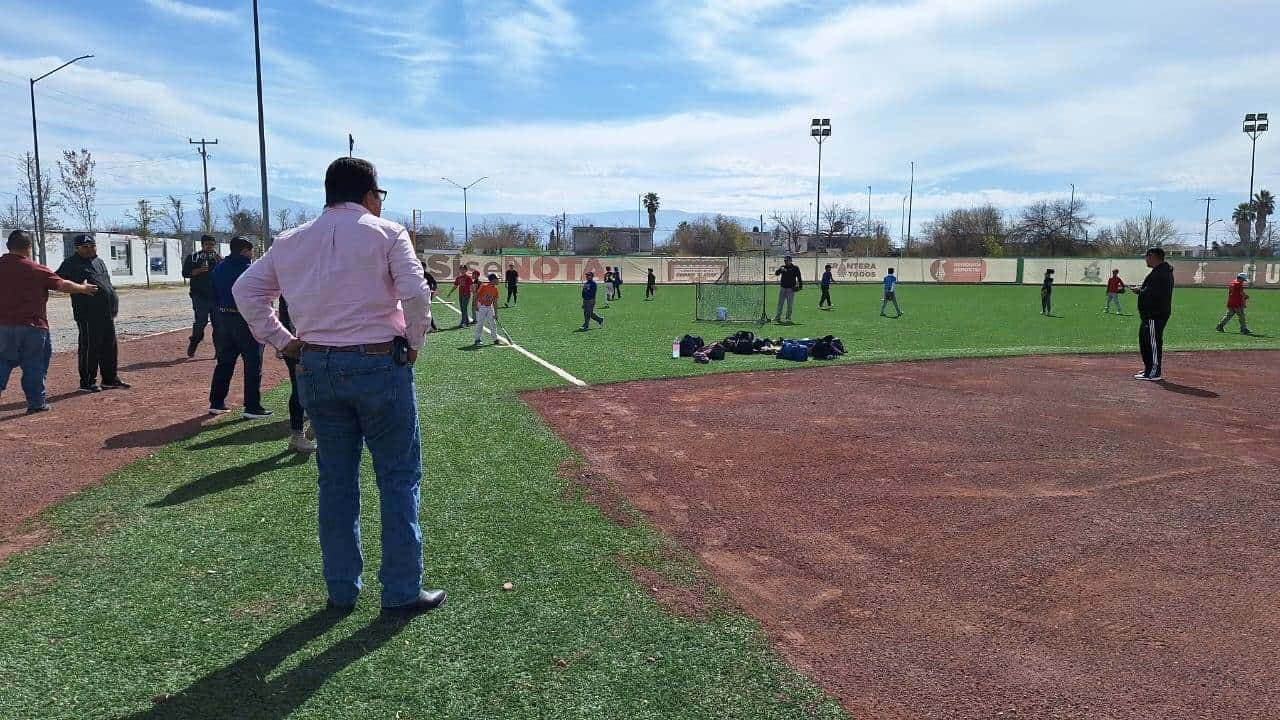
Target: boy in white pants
{"x": 486, "y": 314}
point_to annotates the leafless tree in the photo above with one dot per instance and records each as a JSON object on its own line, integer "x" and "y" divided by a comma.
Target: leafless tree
{"x": 302, "y": 217}
{"x": 965, "y": 232}
{"x": 15, "y": 216}
{"x": 284, "y": 219}
{"x": 433, "y": 237}
{"x": 27, "y": 188}
{"x": 791, "y": 227}
{"x": 79, "y": 187}
{"x": 174, "y": 216}
{"x": 1132, "y": 236}
{"x": 143, "y": 217}
{"x": 493, "y": 236}
{"x": 1052, "y": 228}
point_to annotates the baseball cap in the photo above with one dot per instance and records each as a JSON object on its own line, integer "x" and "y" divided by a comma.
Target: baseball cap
{"x": 84, "y": 239}
{"x": 590, "y": 274}
{"x": 1242, "y": 276}
{"x": 208, "y": 238}
{"x": 1159, "y": 251}
{"x": 786, "y": 257}
{"x": 493, "y": 276}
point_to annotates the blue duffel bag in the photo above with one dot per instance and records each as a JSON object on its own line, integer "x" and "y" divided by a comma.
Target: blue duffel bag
{"x": 794, "y": 350}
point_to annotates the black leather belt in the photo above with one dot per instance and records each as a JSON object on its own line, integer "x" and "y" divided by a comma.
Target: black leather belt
{"x": 383, "y": 348}
{"x": 229, "y": 310}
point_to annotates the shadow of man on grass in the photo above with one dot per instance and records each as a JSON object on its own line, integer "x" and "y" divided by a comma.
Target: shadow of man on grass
{"x": 250, "y": 435}
{"x": 228, "y": 478}
{"x": 241, "y": 689}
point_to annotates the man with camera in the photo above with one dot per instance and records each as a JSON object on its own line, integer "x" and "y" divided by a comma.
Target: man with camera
{"x": 95, "y": 316}
{"x": 360, "y": 307}
{"x": 196, "y": 269}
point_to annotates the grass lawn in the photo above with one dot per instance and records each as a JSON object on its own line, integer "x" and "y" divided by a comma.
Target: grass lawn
{"x": 192, "y": 576}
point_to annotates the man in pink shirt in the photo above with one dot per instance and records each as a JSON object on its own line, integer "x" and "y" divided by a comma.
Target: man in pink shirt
{"x": 360, "y": 306}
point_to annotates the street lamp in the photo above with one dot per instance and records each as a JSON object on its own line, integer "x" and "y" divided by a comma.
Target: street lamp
{"x": 466, "y": 226}
{"x": 1150, "y": 207}
{"x": 819, "y": 130}
{"x": 35, "y": 140}
{"x": 1254, "y": 125}
{"x": 262, "y": 133}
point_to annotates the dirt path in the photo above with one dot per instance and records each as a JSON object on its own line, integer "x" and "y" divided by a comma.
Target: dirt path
{"x": 1034, "y": 537}
{"x": 143, "y": 311}
{"x": 50, "y": 456}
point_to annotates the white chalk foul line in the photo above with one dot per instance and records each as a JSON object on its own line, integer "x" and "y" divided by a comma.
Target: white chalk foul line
{"x": 553, "y": 368}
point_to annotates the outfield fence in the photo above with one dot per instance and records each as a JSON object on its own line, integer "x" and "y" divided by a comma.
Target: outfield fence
{"x": 1188, "y": 272}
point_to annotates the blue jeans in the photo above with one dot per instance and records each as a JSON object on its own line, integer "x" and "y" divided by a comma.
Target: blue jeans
{"x": 353, "y": 400}
{"x": 29, "y": 348}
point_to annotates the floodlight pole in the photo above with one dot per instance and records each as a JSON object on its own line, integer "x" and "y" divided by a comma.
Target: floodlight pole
{"x": 1254, "y": 125}
{"x": 466, "y": 225}
{"x": 1207, "y": 201}
{"x": 35, "y": 140}
{"x": 911, "y": 201}
{"x": 819, "y": 130}
{"x": 262, "y": 133}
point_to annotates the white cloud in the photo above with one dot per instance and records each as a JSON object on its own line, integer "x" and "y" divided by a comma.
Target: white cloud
{"x": 195, "y": 13}
{"x": 525, "y": 35}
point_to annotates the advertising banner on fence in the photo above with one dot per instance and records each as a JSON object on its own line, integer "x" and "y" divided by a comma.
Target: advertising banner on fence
{"x": 1189, "y": 272}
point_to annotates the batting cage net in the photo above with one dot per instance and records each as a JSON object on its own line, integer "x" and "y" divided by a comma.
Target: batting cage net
{"x": 738, "y": 295}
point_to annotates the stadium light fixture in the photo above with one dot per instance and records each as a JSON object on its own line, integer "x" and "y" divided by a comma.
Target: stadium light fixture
{"x": 819, "y": 130}
{"x": 1254, "y": 125}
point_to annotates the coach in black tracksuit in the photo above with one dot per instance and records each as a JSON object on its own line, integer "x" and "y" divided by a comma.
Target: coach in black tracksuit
{"x": 513, "y": 284}
{"x": 1155, "y": 302}
{"x": 94, "y": 315}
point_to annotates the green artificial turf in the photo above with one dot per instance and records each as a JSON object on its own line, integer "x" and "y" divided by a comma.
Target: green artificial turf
{"x": 188, "y": 584}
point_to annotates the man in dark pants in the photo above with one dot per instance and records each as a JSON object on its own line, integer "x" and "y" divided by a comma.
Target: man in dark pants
{"x": 789, "y": 284}
{"x": 513, "y": 285}
{"x": 1155, "y": 304}
{"x": 196, "y": 269}
{"x": 301, "y": 439}
{"x": 649, "y": 284}
{"x": 232, "y": 339}
{"x": 589, "y": 303}
{"x": 617, "y": 281}
{"x": 826, "y": 289}
{"x": 95, "y": 316}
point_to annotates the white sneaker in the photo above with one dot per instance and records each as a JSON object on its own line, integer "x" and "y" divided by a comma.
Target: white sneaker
{"x": 1141, "y": 376}
{"x": 299, "y": 443}
{"x": 219, "y": 409}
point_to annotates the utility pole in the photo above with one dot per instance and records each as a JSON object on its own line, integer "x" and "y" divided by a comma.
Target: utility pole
{"x": 204, "y": 161}
{"x": 868, "y": 209}
{"x": 415, "y": 228}
{"x": 1150, "y": 206}
{"x": 911, "y": 201}
{"x": 262, "y": 133}
{"x": 351, "y": 145}
{"x": 39, "y": 181}
{"x": 1206, "y": 200}
{"x": 1071, "y": 219}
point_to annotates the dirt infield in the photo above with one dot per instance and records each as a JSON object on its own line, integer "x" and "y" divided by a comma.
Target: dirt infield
{"x": 50, "y": 456}
{"x": 1036, "y": 537}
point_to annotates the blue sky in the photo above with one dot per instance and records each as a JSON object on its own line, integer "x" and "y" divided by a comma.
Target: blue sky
{"x": 580, "y": 106}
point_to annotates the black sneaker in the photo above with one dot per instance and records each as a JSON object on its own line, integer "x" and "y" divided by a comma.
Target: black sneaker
{"x": 90, "y": 388}
{"x": 257, "y": 413}
{"x": 35, "y": 410}
{"x": 116, "y": 384}
{"x": 191, "y": 348}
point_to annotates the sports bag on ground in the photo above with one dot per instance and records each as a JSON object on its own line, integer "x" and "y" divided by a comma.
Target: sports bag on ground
{"x": 689, "y": 344}
{"x": 793, "y": 350}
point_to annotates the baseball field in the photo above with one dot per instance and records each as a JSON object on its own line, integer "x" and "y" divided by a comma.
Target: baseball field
{"x": 976, "y": 512}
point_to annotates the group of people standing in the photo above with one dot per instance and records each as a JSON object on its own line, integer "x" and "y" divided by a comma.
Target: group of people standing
{"x": 790, "y": 282}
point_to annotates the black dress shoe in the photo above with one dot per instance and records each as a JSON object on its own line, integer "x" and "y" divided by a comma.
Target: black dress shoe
{"x": 34, "y": 410}
{"x": 427, "y": 600}
{"x": 116, "y": 384}
{"x": 90, "y": 388}
{"x": 191, "y": 348}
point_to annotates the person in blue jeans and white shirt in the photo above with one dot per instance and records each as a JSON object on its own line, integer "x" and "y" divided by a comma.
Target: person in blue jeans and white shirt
{"x": 360, "y": 307}
{"x": 24, "y": 319}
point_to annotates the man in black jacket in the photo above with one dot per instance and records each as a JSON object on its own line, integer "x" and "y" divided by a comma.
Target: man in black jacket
{"x": 789, "y": 283}
{"x": 1155, "y": 302}
{"x": 513, "y": 285}
{"x": 94, "y": 315}
{"x": 196, "y": 268}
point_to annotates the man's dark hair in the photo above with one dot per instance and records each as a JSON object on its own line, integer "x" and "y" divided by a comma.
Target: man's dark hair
{"x": 239, "y": 244}
{"x": 19, "y": 240}
{"x": 1049, "y": 271}
{"x": 890, "y": 271}
{"x": 349, "y": 179}
{"x": 1157, "y": 251}
{"x": 208, "y": 238}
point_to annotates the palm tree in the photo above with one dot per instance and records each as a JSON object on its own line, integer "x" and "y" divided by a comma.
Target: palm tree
{"x": 1264, "y": 204}
{"x": 651, "y": 204}
{"x": 1242, "y": 216}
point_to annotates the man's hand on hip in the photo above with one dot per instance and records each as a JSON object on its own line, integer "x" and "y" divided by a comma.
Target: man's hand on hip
{"x": 293, "y": 350}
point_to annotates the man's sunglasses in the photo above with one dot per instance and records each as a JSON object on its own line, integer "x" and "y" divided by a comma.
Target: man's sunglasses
{"x": 382, "y": 194}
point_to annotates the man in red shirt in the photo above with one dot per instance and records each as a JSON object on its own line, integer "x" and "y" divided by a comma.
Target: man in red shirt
{"x": 462, "y": 283}
{"x": 1236, "y": 298}
{"x": 1115, "y": 287}
{"x": 24, "y": 324}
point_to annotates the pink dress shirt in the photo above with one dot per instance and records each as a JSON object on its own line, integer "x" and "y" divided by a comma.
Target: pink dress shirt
{"x": 351, "y": 278}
